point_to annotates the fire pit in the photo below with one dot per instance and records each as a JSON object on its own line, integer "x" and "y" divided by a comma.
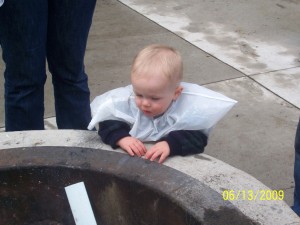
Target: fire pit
{"x": 122, "y": 189}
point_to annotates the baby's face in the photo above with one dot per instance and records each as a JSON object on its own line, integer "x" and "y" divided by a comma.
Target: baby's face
{"x": 153, "y": 95}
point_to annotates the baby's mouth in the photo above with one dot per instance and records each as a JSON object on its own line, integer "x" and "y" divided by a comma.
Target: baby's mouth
{"x": 146, "y": 112}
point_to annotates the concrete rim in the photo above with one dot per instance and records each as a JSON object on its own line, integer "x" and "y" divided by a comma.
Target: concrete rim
{"x": 196, "y": 198}
{"x": 213, "y": 173}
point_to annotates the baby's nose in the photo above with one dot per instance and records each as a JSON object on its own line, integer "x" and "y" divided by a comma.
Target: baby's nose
{"x": 146, "y": 102}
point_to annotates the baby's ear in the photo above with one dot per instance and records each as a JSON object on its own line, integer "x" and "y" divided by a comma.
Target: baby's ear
{"x": 177, "y": 92}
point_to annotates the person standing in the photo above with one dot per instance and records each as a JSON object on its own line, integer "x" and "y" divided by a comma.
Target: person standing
{"x": 296, "y": 206}
{"x": 31, "y": 33}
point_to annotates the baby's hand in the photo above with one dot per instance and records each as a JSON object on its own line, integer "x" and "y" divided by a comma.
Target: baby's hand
{"x": 132, "y": 146}
{"x": 160, "y": 150}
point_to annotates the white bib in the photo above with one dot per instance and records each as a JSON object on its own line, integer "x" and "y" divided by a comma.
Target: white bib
{"x": 197, "y": 108}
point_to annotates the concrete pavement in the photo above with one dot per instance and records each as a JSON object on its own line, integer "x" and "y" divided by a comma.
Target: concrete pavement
{"x": 249, "y": 51}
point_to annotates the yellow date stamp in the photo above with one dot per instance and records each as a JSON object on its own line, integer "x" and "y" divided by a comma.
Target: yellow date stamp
{"x": 253, "y": 195}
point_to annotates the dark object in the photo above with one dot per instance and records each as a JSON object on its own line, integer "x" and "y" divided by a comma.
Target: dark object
{"x": 122, "y": 190}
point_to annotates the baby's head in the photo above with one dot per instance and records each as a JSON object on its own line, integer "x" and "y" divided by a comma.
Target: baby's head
{"x": 155, "y": 76}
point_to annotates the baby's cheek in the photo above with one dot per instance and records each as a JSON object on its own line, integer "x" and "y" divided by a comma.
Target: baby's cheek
{"x": 163, "y": 107}
{"x": 137, "y": 102}
{"x": 160, "y": 109}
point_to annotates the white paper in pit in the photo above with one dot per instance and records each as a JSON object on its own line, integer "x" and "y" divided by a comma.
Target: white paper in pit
{"x": 80, "y": 204}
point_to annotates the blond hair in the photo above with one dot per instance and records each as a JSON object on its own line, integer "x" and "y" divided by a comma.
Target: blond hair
{"x": 159, "y": 58}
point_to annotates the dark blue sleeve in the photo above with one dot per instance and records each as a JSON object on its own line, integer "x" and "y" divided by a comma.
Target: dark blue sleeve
{"x": 185, "y": 142}
{"x": 111, "y": 131}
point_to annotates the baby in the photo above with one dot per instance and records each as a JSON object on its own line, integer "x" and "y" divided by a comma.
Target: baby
{"x": 158, "y": 107}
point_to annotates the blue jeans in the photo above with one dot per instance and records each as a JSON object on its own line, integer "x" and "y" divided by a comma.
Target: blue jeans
{"x": 31, "y": 32}
{"x": 296, "y": 206}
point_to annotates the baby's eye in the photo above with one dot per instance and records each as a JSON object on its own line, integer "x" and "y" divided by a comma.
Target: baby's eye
{"x": 155, "y": 99}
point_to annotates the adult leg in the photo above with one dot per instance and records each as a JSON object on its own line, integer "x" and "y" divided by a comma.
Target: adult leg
{"x": 296, "y": 206}
{"x": 68, "y": 28}
{"x": 23, "y": 41}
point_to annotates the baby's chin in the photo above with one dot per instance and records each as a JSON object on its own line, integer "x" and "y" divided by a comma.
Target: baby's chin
{"x": 147, "y": 113}
{"x": 154, "y": 115}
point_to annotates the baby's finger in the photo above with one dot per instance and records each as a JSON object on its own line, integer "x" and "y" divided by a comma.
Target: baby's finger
{"x": 142, "y": 147}
{"x": 162, "y": 158}
{"x": 155, "y": 155}
{"x": 149, "y": 153}
{"x": 129, "y": 151}
{"x": 137, "y": 149}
